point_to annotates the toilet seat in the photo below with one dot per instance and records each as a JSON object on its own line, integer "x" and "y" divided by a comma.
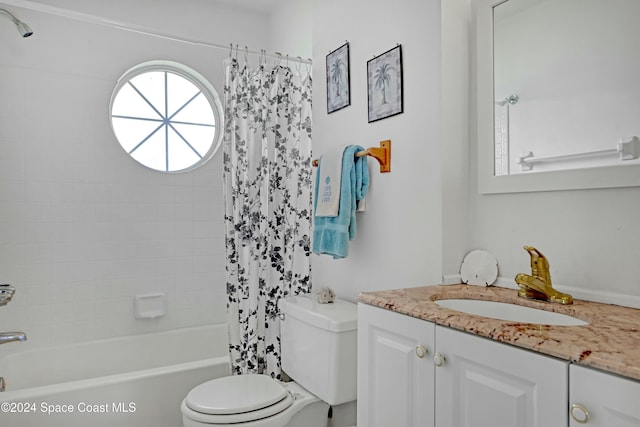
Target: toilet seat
{"x": 236, "y": 399}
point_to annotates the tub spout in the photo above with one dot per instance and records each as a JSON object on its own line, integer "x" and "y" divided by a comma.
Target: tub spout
{"x": 6, "y": 337}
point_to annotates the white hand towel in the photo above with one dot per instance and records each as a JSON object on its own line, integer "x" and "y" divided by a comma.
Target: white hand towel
{"x": 330, "y": 170}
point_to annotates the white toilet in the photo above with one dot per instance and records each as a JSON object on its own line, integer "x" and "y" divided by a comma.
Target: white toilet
{"x": 318, "y": 351}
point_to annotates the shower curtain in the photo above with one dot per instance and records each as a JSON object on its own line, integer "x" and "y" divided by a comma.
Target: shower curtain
{"x": 267, "y": 192}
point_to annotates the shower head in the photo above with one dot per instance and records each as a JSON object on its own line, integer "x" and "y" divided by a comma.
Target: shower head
{"x": 23, "y": 28}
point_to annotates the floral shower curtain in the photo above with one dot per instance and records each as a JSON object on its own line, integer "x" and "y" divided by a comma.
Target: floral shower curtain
{"x": 267, "y": 192}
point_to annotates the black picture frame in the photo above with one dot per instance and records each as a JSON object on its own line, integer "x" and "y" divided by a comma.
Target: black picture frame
{"x": 338, "y": 79}
{"x": 385, "y": 85}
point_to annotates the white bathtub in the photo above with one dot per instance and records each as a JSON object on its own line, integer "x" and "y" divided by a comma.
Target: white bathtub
{"x": 135, "y": 381}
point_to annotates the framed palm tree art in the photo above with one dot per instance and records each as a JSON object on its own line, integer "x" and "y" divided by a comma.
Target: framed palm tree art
{"x": 384, "y": 84}
{"x": 338, "y": 81}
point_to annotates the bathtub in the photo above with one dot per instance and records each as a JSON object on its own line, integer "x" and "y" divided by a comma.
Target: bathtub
{"x": 134, "y": 381}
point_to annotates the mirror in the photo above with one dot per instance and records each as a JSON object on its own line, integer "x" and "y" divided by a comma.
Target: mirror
{"x": 558, "y": 94}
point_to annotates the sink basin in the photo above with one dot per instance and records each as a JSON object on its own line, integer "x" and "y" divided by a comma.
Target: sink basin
{"x": 510, "y": 312}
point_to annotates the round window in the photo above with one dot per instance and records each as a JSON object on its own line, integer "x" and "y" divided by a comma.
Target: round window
{"x": 166, "y": 116}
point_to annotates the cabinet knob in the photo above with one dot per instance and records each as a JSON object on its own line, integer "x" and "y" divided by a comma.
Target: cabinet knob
{"x": 438, "y": 359}
{"x": 421, "y": 351}
{"x": 579, "y": 413}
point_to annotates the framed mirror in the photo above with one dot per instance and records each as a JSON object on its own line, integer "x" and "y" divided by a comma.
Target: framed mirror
{"x": 558, "y": 94}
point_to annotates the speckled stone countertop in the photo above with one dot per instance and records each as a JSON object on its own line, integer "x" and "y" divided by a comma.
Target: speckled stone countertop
{"x": 610, "y": 341}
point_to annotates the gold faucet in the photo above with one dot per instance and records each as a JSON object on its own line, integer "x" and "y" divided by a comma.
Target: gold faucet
{"x": 538, "y": 284}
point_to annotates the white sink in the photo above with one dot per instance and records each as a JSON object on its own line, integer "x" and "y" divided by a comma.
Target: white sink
{"x": 510, "y": 312}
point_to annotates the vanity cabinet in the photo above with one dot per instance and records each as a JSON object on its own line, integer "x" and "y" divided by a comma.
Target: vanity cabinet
{"x": 483, "y": 383}
{"x": 414, "y": 373}
{"x": 599, "y": 399}
{"x": 395, "y": 369}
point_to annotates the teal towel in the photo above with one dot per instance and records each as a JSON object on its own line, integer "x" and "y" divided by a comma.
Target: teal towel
{"x": 331, "y": 235}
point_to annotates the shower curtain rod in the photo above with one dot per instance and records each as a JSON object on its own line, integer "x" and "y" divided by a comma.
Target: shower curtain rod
{"x": 93, "y": 19}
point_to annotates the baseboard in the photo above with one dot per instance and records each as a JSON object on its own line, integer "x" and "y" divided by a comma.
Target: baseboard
{"x": 451, "y": 279}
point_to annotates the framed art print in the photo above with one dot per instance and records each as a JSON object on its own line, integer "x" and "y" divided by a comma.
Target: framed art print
{"x": 338, "y": 81}
{"x": 384, "y": 84}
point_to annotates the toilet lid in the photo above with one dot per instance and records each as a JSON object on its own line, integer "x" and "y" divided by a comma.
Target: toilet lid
{"x": 235, "y": 394}
{"x": 260, "y": 414}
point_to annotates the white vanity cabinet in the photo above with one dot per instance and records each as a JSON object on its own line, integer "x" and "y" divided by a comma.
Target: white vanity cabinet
{"x": 483, "y": 383}
{"x": 599, "y": 399}
{"x": 414, "y": 373}
{"x": 395, "y": 369}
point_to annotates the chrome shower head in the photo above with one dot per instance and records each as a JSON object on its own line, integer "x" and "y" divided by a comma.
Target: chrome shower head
{"x": 22, "y": 27}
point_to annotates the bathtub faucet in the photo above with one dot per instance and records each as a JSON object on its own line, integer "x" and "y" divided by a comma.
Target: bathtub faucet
{"x": 6, "y": 337}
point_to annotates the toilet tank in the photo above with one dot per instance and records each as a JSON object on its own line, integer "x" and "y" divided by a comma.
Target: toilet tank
{"x": 318, "y": 346}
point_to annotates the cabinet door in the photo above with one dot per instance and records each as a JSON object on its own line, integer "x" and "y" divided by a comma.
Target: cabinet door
{"x": 395, "y": 371}
{"x": 488, "y": 384}
{"x": 610, "y": 401}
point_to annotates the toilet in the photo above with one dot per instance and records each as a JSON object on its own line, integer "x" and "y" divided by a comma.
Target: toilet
{"x": 318, "y": 352}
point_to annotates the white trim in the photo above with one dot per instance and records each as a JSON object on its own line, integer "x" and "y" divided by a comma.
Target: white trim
{"x": 200, "y": 82}
{"x": 505, "y": 282}
{"x": 451, "y": 279}
{"x": 603, "y": 297}
{"x": 583, "y": 294}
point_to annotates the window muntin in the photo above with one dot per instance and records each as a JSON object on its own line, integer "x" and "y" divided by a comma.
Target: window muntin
{"x": 166, "y": 116}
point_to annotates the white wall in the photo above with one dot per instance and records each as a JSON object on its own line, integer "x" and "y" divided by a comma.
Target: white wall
{"x": 401, "y": 238}
{"x": 84, "y": 228}
{"x": 455, "y": 139}
{"x": 589, "y": 236}
{"x": 291, "y": 27}
{"x": 216, "y": 21}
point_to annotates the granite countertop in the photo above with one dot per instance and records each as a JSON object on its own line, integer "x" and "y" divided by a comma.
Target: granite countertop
{"x": 610, "y": 341}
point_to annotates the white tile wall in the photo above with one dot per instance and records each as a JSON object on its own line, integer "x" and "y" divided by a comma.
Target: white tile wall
{"x": 84, "y": 228}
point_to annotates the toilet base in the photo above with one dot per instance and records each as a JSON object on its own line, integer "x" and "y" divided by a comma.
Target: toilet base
{"x": 313, "y": 415}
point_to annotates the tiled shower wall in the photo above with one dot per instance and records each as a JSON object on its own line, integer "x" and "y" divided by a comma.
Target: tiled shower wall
{"x": 83, "y": 227}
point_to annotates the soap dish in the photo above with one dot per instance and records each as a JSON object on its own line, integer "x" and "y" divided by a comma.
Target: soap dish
{"x": 150, "y": 306}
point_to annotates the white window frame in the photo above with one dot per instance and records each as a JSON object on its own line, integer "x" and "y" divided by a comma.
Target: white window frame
{"x": 196, "y": 79}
